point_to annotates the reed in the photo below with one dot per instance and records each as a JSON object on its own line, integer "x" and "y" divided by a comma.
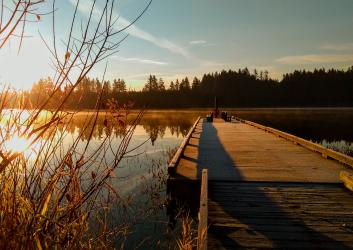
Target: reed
{"x": 188, "y": 238}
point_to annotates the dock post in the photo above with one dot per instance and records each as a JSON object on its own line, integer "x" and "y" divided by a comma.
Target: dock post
{"x": 203, "y": 213}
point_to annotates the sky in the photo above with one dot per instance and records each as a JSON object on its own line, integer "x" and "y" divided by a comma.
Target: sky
{"x": 174, "y": 39}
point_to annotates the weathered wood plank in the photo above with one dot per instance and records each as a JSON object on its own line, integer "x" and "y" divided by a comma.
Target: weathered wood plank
{"x": 227, "y": 243}
{"x": 282, "y": 227}
{"x": 263, "y": 222}
{"x": 310, "y": 222}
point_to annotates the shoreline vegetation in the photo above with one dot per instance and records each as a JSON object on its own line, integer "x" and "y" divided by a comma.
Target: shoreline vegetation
{"x": 234, "y": 89}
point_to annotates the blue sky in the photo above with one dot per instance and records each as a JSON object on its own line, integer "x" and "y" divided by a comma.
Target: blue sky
{"x": 190, "y": 37}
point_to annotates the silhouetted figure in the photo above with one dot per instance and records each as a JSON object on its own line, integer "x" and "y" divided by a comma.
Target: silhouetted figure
{"x": 209, "y": 117}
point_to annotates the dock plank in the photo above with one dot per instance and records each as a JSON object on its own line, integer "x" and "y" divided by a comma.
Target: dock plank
{"x": 263, "y": 222}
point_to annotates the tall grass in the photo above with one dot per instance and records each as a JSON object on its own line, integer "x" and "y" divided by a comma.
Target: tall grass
{"x": 188, "y": 239}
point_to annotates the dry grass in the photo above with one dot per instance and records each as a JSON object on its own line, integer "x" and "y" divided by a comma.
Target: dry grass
{"x": 188, "y": 239}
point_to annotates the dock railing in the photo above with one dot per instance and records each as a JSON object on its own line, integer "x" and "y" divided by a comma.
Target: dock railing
{"x": 175, "y": 160}
{"x": 203, "y": 213}
{"x": 325, "y": 152}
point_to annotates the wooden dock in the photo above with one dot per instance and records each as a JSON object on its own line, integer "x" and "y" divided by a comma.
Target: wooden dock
{"x": 266, "y": 188}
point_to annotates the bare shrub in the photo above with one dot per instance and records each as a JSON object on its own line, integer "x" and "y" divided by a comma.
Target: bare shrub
{"x": 50, "y": 192}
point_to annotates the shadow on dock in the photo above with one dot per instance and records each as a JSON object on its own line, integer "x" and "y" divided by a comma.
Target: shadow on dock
{"x": 212, "y": 155}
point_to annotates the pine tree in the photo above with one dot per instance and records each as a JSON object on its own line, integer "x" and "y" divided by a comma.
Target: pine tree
{"x": 177, "y": 85}
{"x": 151, "y": 84}
{"x": 187, "y": 83}
{"x": 122, "y": 86}
{"x": 154, "y": 83}
{"x": 106, "y": 89}
{"x": 115, "y": 86}
{"x": 161, "y": 86}
{"x": 195, "y": 83}
{"x": 172, "y": 86}
{"x": 256, "y": 74}
{"x": 98, "y": 86}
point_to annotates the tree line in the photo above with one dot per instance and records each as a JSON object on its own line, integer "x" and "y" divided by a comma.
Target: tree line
{"x": 240, "y": 88}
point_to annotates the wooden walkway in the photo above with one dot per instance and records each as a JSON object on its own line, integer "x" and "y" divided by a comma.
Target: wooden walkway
{"x": 265, "y": 191}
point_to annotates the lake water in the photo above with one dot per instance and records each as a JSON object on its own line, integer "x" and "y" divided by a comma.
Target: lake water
{"x": 140, "y": 178}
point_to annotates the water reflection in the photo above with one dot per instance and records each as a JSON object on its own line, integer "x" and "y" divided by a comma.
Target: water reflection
{"x": 139, "y": 178}
{"x": 153, "y": 126}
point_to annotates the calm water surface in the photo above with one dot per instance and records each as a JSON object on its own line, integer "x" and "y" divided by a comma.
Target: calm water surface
{"x": 140, "y": 177}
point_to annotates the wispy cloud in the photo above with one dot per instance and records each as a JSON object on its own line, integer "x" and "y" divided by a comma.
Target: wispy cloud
{"x": 135, "y": 31}
{"x": 312, "y": 59}
{"x": 140, "y": 60}
{"x": 198, "y": 42}
{"x": 143, "y": 76}
{"x": 337, "y": 47}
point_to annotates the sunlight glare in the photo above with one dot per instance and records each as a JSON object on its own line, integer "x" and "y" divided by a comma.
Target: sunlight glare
{"x": 17, "y": 144}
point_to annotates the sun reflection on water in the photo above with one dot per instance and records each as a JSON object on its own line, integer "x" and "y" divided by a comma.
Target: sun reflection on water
{"x": 14, "y": 139}
{"x": 17, "y": 144}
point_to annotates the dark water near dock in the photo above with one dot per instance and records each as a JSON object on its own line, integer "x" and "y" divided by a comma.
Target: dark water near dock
{"x": 329, "y": 124}
{"x": 330, "y": 127}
